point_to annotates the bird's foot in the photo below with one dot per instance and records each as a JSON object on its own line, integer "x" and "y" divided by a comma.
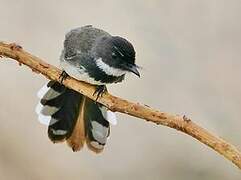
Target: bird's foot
{"x": 63, "y": 76}
{"x": 99, "y": 91}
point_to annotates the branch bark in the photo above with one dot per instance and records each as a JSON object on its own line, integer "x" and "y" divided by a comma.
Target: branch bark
{"x": 180, "y": 123}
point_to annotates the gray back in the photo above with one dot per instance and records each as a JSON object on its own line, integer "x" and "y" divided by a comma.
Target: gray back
{"x": 80, "y": 40}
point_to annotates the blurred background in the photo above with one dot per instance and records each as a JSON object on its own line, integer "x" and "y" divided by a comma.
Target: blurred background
{"x": 190, "y": 52}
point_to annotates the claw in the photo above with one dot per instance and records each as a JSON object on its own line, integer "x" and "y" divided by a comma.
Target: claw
{"x": 15, "y": 47}
{"x": 186, "y": 119}
{"x": 63, "y": 76}
{"x": 100, "y": 90}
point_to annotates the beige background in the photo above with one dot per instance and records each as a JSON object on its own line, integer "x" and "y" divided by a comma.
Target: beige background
{"x": 190, "y": 52}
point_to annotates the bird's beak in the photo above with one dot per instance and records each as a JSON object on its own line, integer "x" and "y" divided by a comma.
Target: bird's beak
{"x": 133, "y": 68}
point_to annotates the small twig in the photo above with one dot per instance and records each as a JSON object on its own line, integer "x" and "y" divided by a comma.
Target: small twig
{"x": 180, "y": 123}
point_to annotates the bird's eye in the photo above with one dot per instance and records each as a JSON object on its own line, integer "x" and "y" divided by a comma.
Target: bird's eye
{"x": 114, "y": 56}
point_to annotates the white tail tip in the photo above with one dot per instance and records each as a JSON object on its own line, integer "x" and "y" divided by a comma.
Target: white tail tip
{"x": 111, "y": 117}
{"x": 42, "y": 118}
{"x": 43, "y": 91}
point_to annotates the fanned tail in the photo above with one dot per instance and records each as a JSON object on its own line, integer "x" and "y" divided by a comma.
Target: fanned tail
{"x": 73, "y": 117}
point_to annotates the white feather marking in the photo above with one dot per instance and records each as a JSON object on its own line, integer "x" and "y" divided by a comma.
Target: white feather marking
{"x": 98, "y": 136}
{"x": 53, "y": 121}
{"x": 111, "y": 117}
{"x": 43, "y": 91}
{"x": 59, "y": 132}
{"x": 42, "y": 118}
{"x": 96, "y": 145}
{"x": 79, "y": 73}
{"x": 100, "y": 128}
{"x": 49, "y": 110}
{"x": 39, "y": 108}
{"x": 45, "y": 119}
{"x": 99, "y": 132}
{"x": 119, "y": 51}
{"x": 108, "y": 69}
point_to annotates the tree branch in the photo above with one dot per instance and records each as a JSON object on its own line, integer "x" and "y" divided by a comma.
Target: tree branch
{"x": 180, "y": 123}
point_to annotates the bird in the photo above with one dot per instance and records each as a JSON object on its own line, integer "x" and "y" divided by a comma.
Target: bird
{"x": 96, "y": 57}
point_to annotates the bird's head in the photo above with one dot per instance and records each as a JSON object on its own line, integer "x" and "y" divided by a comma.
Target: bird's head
{"x": 117, "y": 53}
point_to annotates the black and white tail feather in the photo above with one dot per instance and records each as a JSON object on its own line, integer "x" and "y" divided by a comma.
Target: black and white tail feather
{"x": 73, "y": 118}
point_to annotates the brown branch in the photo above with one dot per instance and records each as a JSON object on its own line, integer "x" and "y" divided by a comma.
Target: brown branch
{"x": 180, "y": 123}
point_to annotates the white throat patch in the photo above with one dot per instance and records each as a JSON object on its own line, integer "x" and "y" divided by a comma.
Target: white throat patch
{"x": 108, "y": 69}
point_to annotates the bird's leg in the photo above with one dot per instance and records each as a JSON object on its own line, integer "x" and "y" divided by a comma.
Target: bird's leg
{"x": 63, "y": 76}
{"x": 99, "y": 91}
